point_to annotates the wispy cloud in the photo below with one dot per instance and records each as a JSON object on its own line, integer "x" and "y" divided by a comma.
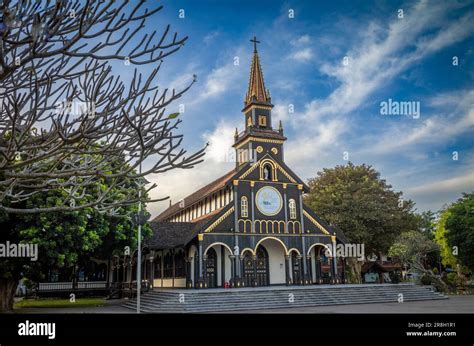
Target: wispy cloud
{"x": 179, "y": 183}
{"x": 327, "y": 122}
{"x": 210, "y": 37}
{"x": 445, "y": 190}
{"x": 443, "y": 124}
{"x": 304, "y": 54}
{"x": 378, "y": 56}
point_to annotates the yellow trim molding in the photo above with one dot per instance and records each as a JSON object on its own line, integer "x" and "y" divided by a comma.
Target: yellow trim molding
{"x": 262, "y": 140}
{"x": 313, "y": 220}
{"x": 219, "y": 220}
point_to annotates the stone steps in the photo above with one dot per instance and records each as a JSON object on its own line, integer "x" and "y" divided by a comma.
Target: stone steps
{"x": 228, "y": 300}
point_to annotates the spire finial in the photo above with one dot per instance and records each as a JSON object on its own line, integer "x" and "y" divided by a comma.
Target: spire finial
{"x": 280, "y": 128}
{"x": 256, "y": 91}
{"x": 255, "y": 43}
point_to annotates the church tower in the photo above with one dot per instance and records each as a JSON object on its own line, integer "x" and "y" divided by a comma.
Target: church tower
{"x": 259, "y": 136}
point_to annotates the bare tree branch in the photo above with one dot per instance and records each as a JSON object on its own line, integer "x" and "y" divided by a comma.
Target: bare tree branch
{"x": 66, "y": 120}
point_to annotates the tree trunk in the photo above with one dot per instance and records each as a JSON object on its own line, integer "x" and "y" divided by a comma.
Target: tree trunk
{"x": 355, "y": 268}
{"x": 7, "y": 292}
{"x": 436, "y": 282}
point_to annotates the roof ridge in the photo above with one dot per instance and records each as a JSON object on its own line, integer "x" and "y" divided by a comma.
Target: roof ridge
{"x": 200, "y": 191}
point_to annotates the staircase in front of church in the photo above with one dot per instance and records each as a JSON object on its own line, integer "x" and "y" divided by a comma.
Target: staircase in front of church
{"x": 272, "y": 297}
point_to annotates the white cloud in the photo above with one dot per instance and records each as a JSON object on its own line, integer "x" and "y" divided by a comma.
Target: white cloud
{"x": 454, "y": 116}
{"x": 429, "y": 195}
{"x": 220, "y": 80}
{"x": 305, "y": 39}
{"x": 210, "y": 37}
{"x": 379, "y": 55}
{"x": 457, "y": 184}
{"x": 179, "y": 183}
{"x": 301, "y": 51}
{"x": 304, "y": 54}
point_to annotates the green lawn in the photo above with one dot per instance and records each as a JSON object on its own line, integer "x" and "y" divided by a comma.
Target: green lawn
{"x": 58, "y": 303}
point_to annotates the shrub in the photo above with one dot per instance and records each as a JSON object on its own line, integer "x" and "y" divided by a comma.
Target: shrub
{"x": 450, "y": 279}
{"x": 425, "y": 280}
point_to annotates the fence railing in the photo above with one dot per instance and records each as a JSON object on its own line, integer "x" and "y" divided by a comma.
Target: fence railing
{"x": 68, "y": 286}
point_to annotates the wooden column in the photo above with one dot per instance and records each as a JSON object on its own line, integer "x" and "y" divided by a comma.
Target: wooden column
{"x": 222, "y": 266}
{"x": 303, "y": 238}
{"x": 287, "y": 270}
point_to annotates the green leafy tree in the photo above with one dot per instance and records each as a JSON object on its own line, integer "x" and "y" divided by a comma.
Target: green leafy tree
{"x": 446, "y": 251}
{"x": 460, "y": 229}
{"x": 427, "y": 223}
{"x": 64, "y": 239}
{"x": 362, "y": 205}
{"x": 412, "y": 249}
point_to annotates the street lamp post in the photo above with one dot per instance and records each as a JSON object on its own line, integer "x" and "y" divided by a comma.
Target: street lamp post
{"x": 139, "y": 255}
{"x": 140, "y": 218}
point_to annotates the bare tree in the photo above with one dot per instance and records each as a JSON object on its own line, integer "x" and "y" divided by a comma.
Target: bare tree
{"x": 66, "y": 119}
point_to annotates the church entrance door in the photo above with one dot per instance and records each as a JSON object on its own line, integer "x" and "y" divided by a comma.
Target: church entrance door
{"x": 248, "y": 269}
{"x": 256, "y": 271}
{"x": 211, "y": 268}
{"x": 263, "y": 277}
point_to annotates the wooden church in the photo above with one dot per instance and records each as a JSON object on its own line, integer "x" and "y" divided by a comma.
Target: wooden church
{"x": 250, "y": 226}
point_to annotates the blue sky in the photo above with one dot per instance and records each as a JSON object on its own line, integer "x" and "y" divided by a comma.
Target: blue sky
{"x": 336, "y": 105}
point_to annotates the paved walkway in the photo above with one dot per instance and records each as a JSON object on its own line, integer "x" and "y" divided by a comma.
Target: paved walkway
{"x": 455, "y": 304}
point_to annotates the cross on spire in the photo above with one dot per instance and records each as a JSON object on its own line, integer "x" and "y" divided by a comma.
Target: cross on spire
{"x": 256, "y": 91}
{"x": 255, "y": 44}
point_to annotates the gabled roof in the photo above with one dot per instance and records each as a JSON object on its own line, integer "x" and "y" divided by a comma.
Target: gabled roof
{"x": 196, "y": 196}
{"x": 248, "y": 167}
{"x": 168, "y": 235}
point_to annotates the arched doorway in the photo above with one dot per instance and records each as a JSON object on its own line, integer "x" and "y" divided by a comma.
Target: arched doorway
{"x": 249, "y": 269}
{"x": 321, "y": 264}
{"x": 262, "y": 268}
{"x": 211, "y": 268}
{"x": 276, "y": 264}
{"x": 295, "y": 267}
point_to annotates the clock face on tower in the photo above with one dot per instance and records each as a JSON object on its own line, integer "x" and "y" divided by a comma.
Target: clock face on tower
{"x": 268, "y": 201}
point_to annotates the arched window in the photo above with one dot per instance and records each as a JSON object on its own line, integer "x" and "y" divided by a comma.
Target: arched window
{"x": 267, "y": 172}
{"x": 244, "y": 207}
{"x": 292, "y": 208}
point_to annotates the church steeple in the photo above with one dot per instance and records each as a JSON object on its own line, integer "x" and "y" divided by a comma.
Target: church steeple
{"x": 259, "y": 138}
{"x": 256, "y": 90}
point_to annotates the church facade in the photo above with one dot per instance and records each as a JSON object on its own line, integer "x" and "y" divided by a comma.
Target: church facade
{"x": 249, "y": 227}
